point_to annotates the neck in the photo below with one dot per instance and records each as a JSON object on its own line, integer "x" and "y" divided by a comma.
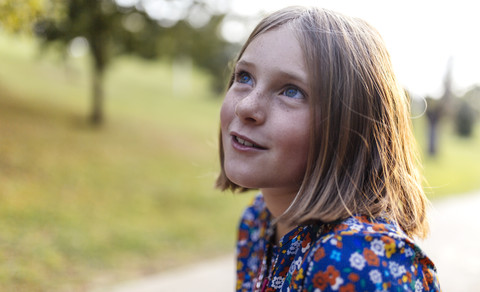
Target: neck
{"x": 277, "y": 203}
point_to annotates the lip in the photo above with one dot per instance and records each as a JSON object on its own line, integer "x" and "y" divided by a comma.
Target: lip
{"x": 245, "y": 143}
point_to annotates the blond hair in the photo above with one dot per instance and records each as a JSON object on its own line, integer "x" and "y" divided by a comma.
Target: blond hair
{"x": 362, "y": 157}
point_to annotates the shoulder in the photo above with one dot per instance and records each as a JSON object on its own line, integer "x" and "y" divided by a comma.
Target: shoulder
{"x": 255, "y": 213}
{"x": 253, "y": 222}
{"x": 368, "y": 255}
{"x": 251, "y": 242}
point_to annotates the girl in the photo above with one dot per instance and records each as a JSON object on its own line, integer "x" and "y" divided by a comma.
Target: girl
{"x": 315, "y": 118}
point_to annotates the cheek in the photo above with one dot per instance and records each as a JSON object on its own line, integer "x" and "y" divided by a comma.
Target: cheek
{"x": 299, "y": 145}
{"x": 227, "y": 112}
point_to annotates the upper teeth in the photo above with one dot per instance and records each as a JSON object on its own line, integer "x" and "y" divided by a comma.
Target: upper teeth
{"x": 243, "y": 142}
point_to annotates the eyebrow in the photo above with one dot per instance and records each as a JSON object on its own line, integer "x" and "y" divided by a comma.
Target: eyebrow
{"x": 281, "y": 73}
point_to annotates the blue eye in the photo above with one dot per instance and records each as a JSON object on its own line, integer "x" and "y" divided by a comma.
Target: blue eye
{"x": 244, "y": 77}
{"x": 293, "y": 92}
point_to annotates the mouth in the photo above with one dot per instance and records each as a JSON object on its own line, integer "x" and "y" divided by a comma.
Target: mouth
{"x": 247, "y": 143}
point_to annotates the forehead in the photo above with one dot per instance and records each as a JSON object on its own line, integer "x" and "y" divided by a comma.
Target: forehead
{"x": 277, "y": 49}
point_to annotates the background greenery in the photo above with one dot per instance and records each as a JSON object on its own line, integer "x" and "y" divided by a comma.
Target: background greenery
{"x": 83, "y": 206}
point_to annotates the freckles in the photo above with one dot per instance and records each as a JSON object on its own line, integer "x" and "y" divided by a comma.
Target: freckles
{"x": 225, "y": 112}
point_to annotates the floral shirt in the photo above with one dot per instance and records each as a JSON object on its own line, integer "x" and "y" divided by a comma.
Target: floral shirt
{"x": 357, "y": 254}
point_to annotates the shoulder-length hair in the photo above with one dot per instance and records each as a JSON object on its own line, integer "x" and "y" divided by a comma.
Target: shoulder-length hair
{"x": 362, "y": 157}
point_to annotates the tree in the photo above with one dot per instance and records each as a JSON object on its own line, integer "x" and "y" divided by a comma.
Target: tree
{"x": 19, "y": 16}
{"x": 436, "y": 109}
{"x": 203, "y": 45}
{"x": 111, "y": 29}
{"x": 464, "y": 119}
{"x": 468, "y": 111}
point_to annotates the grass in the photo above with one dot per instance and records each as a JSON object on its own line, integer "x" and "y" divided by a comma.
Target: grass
{"x": 81, "y": 207}
{"x": 456, "y": 167}
{"x": 136, "y": 196}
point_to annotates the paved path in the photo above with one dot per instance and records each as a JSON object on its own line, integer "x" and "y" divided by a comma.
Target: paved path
{"x": 454, "y": 242}
{"x": 454, "y": 246}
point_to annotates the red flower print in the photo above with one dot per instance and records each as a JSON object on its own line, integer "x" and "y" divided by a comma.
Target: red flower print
{"x": 332, "y": 275}
{"x": 407, "y": 278}
{"x": 339, "y": 242}
{"x": 348, "y": 288}
{"x": 428, "y": 276}
{"x": 340, "y": 227}
{"x": 243, "y": 234}
{"x": 306, "y": 241}
{"x": 319, "y": 254}
{"x": 285, "y": 270}
{"x": 390, "y": 247}
{"x": 353, "y": 277}
{"x": 320, "y": 280}
{"x": 388, "y": 240}
{"x": 371, "y": 257}
{"x": 243, "y": 252}
{"x": 379, "y": 227}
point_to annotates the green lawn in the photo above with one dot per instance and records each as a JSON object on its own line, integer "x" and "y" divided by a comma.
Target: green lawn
{"x": 456, "y": 167}
{"x": 79, "y": 204}
{"x": 81, "y": 207}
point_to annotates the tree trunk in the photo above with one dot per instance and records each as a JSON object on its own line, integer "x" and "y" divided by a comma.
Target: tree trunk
{"x": 432, "y": 136}
{"x": 97, "y": 116}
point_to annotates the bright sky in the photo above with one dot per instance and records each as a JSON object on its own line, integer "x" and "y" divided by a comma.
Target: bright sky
{"x": 421, "y": 36}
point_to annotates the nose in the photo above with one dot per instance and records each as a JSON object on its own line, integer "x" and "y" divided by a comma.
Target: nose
{"x": 251, "y": 108}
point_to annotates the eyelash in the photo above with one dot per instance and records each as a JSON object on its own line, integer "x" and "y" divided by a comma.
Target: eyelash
{"x": 289, "y": 87}
{"x": 240, "y": 74}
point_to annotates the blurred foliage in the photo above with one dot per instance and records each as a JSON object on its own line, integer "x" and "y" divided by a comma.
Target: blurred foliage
{"x": 20, "y": 16}
{"x": 467, "y": 112}
{"x": 465, "y": 119}
{"x": 109, "y": 30}
{"x": 82, "y": 208}
{"x": 437, "y": 109}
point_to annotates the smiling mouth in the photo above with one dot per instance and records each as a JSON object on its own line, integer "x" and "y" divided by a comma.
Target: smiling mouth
{"x": 246, "y": 143}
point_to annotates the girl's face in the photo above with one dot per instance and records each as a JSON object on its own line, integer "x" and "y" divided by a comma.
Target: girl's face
{"x": 265, "y": 117}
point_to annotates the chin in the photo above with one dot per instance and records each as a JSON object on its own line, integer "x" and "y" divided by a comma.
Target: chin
{"x": 244, "y": 182}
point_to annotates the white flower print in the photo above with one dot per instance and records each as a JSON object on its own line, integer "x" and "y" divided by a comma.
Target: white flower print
{"x": 292, "y": 268}
{"x": 255, "y": 235}
{"x": 354, "y": 224}
{"x": 295, "y": 265}
{"x": 375, "y": 276}
{"x": 378, "y": 247}
{"x": 249, "y": 216}
{"x": 357, "y": 261}
{"x": 357, "y": 227}
{"x": 396, "y": 269}
{"x": 350, "y": 221}
{"x": 298, "y": 263}
{"x": 334, "y": 241}
{"x": 327, "y": 237}
{"x": 277, "y": 282}
{"x": 338, "y": 281}
{"x": 418, "y": 286}
{"x": 253, "y": 262}
{"x": 408, "y": 252}
{"x": 396, "y": 236}
{"x": 304, "y": 249}
{"x": 294, "y": 247}
{"x": 247, "y": 286}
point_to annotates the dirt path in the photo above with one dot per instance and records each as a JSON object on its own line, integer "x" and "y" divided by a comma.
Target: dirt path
{"x": 454, "y": 246}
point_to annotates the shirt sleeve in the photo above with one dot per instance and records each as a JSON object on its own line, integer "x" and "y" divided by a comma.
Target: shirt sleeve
{"x": 352, "y": 261}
